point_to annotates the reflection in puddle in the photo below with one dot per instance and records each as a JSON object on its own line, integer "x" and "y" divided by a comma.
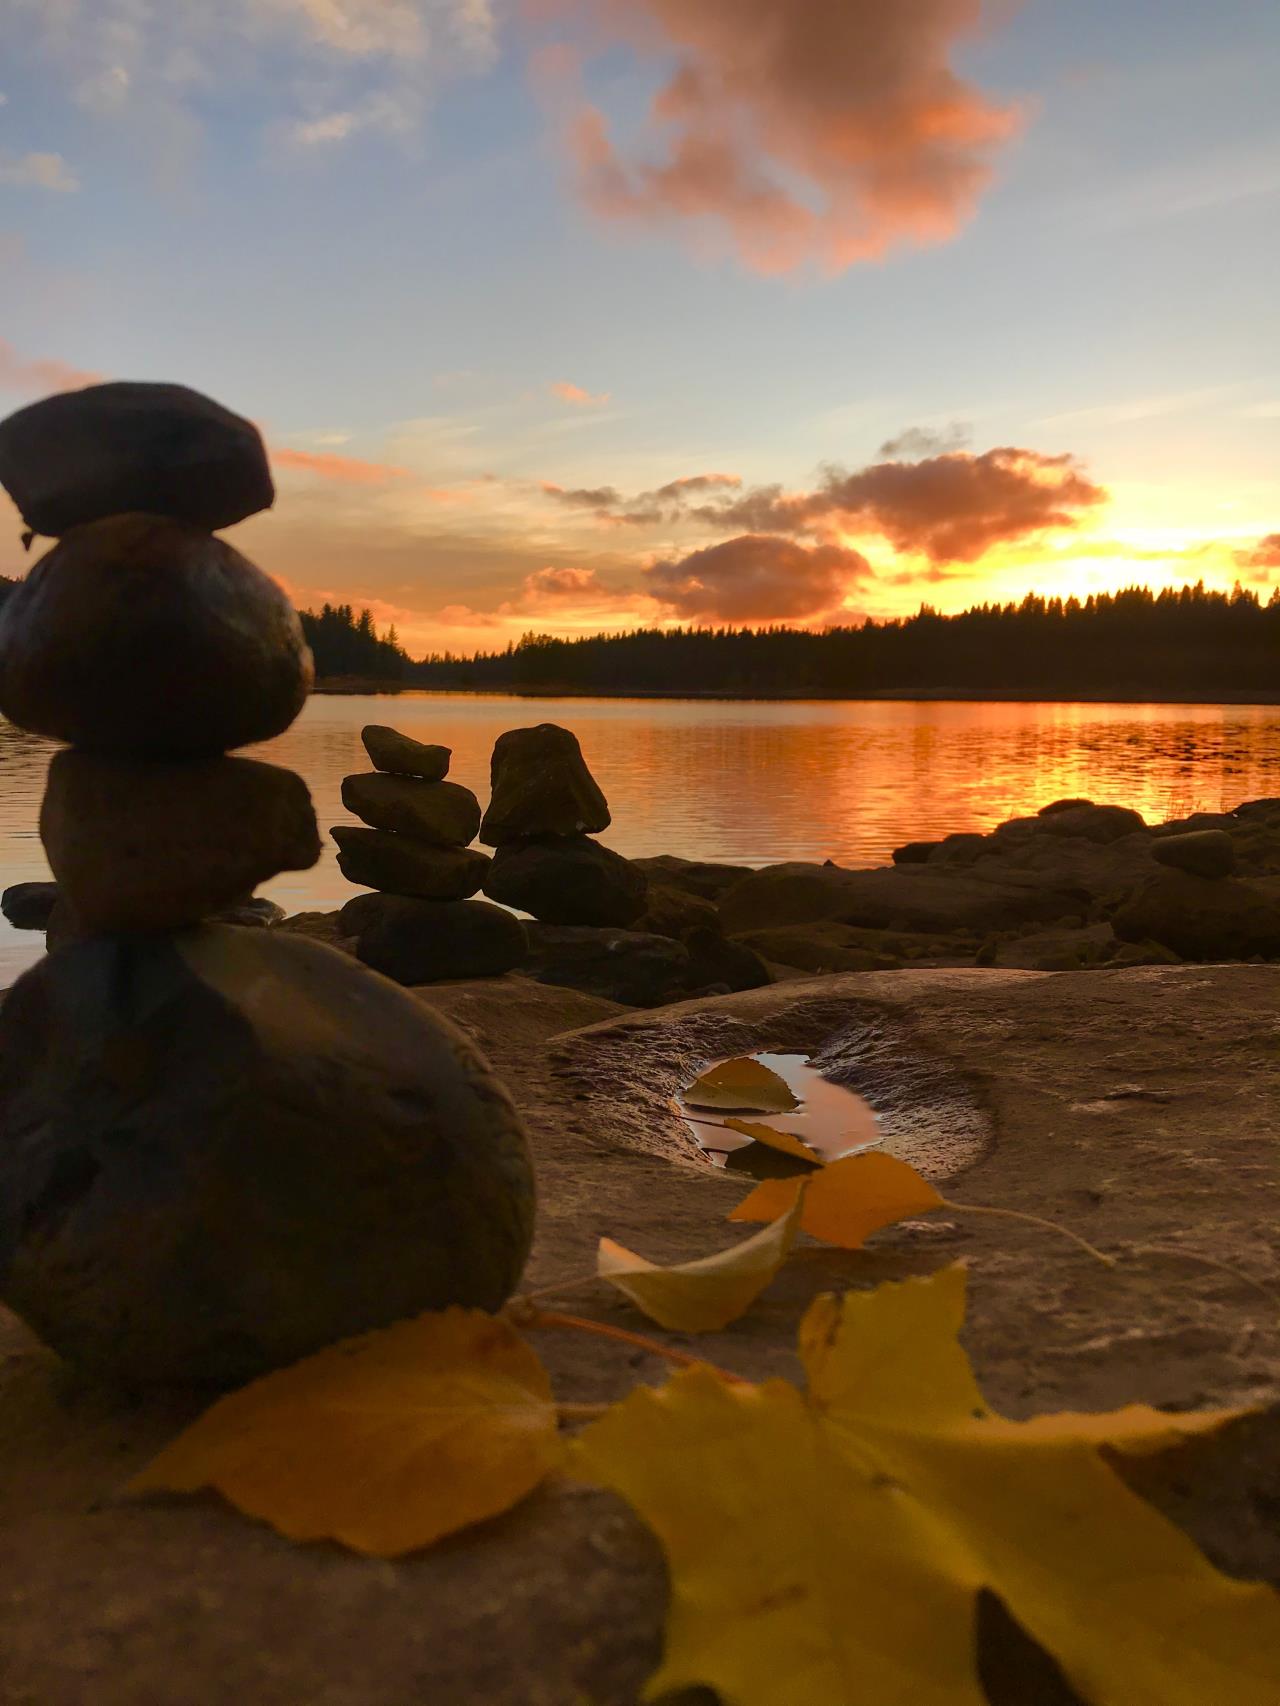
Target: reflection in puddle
{"x": 830, "y": 1119}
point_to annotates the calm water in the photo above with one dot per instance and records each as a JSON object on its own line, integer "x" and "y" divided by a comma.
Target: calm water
{"x": 756, "y": 782}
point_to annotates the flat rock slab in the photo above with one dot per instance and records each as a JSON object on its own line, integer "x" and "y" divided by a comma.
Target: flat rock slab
{"x": 1136, "y": 1106}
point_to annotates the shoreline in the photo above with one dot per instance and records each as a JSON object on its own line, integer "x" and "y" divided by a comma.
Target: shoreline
{"x": 355, "y": 686}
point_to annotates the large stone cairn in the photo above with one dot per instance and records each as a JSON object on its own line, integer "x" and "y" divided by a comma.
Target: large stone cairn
{"x": 220, "y": 1148}
{"x": 420, "y": 925}
{"x": 545, "y": 811}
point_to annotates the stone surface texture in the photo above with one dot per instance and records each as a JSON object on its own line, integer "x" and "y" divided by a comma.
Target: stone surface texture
{"x": 227, "y": 1148}
{"x": 27, "y": 905}
{"x": 541, "y": 786}
{"x": 108, "y": 449}
{"x": 567, "y": 880}
{"x": 397, "y": 754}
{"x": 1095, "y": 1099}
{"x": 144, "y": 845}
{"x": 443, "y": 814}
{"x": 144, "y": 637}
{"x": 380, "y": 859}
{"x": 427, "y": 941}
{"x": 1202, "y": 852}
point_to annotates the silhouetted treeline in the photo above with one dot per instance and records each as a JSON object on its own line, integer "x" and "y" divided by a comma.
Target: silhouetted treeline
{"x": 1186, "y": 641}
{"x": 346, "y": 644}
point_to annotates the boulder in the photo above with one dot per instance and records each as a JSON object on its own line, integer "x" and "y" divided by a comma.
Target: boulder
{"x": 567, "y": 880}
{"x": 619, "y": 965}
{"x": 715, "y": 963}
{"x": 397, "y": 754}
{"x": 144, "y": 637}
{"x": 228, "y": 1148}
{"x": 256, "y": 913}
{"x": 915, "y": 852}
{"x": 442, "y": 813}
{"x": 138, "y": 845}
{"x": 83, "y": 455}
{"x": 541, "y": 786}
{"x": 896, "y": 897}
{"x": 380, "y": 859}
{"x": 1202, "y": 918}
{"x": 1094, "y": 823}
{"x": 27, "y": 905}
{"x": 698, "y": 877}
{"x": 1202, "y": 852}
{"x": 427, "y": 941}
{"x": 817, "y": 948}
{"x": 673, "y": 912}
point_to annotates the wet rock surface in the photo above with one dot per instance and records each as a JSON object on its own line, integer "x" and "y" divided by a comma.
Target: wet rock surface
{"x": 143, "y": 845}
{"x": 400, "y": 755}
{"x": 1097, "y": 1100}
{"x": 427, "y": 941}
{"x": 567, "y": 880}
{"x": 541, "y": 786}
{"x": 227, "y": 1148}
{"x": 143, "y": 637}
{"x": 109, "y": 449}
{"x": 378, "y": 859}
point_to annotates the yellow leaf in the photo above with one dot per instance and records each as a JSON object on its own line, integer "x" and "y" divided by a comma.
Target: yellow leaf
{"x": 785, "y": 1142}
{"x": 829, "y": 1547}
{"x": 385, "y": 1442}
{"x": 847, "y": 1201}
{"x": 742, "y": 1083}
{"x": 698, "y": 1297}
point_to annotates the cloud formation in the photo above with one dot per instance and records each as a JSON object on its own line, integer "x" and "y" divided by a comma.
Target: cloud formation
{"x": 345, "y": 470}
{"x": 670, "y": 503}
{"x": 952, "y": 508}
{"x": 1264, "y": 556}
{"x": 928, "y": 441}
{"x": 568, "y": 392}
{"x": 824, "y": 131}
{"x": 37, "y": 377}
{"x": 37, "y": 172}
{"x": 757, "y": 578}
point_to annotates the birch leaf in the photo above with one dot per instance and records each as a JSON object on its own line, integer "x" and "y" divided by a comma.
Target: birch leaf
{"x": 701, "y": 1296}
{"x": 785, "y": 1142}
{"x": 829, "y": 1546}
{"x": 742, "y": 1083}
{"x": 385, "y": 1443}
{"x": 848, "y": 1200}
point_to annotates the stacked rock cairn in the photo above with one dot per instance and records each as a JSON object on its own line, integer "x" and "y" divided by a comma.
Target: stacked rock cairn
{"x": 220, "y": 1147}
{"x": 421, "y": 925}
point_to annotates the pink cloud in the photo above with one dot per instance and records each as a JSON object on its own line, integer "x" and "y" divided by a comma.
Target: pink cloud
{"x": 568, "y": 392}
{"x": 36, "y": 378}
{"x": 824, "y": 131}
{"x": 1264, "y": 556}
{"x": 757, "y": 578}
{"x": 345, "y": 470}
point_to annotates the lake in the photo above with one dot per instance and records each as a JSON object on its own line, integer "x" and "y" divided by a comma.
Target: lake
{"x": 754, "y": 781}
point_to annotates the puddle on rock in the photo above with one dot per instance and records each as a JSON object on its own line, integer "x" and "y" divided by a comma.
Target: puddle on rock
{"x": 830, "y": 1119}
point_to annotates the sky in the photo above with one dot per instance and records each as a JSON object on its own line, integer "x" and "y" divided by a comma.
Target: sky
{"x": 577, "y": 315}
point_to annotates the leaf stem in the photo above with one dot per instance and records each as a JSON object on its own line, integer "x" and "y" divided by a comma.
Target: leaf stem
{"x": 1032, "y": 1220}
{"x": 553, "y": 1318}
{"x": 516, "y": 1304}
{"x": 1237, "y": 1274}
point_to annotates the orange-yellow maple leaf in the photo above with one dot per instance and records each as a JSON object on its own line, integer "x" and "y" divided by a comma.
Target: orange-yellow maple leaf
{"x": 846, "y": 1202}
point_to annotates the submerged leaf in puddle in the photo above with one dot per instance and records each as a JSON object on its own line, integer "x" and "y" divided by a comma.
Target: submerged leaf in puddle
{"x": 742, "y": 1083}
{"x": 848, "y": 1200}
{"x": 785, "y": 1142}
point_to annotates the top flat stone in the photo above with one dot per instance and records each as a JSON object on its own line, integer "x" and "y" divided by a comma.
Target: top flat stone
{"x": 398, "y": 755}
{"x": 83, "y": 455}
{"x": 541, "y": 786}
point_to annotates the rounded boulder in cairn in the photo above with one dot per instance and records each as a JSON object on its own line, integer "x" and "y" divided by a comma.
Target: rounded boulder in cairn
{"x": 568, "y": 880}
{"x": 379, "y": 859}
{"x": 395, "y": 753}
{"x": 27, "y": 906}
{"x": 141, "y": 845}
{"x": 541, "y": 786}
{"x": 147, "y": 638}
{"x": 429, "y": 941}
{"x": 228, "y": 1148}
{"x": 108, "y": 449}
{"x": 1202, "y": 852}
{"x": 445, "y": 814}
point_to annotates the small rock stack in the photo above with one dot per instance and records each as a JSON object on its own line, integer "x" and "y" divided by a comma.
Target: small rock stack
{"x": 220, "y": 1148}
{"x": 545, "y": 809}
{"x": 421, "y": 926}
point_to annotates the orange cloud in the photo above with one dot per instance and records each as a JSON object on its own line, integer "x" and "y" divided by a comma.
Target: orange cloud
{"x": 757, "y": 578}
{"x": 35, "y": 378}
{"x": 823, "y": 131}
{"x": 1263, "y": 556}
{"x": 571, "y": 393}
{"x": 345, "y": 470}
{"x": 952, "y": 508}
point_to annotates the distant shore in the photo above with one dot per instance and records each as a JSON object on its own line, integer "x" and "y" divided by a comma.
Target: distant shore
{"x": 346, "y": 684}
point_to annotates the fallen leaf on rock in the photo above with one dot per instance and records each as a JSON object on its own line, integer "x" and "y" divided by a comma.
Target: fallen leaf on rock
{"x": 742, "y": 1083}
{"x": 829, "y": 1546}
{"x": 698, "y": 1297}
{"x": 848, "y": 1200}
{"x": 385, "y": 1443}
{"x": 785, "y": 1142}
